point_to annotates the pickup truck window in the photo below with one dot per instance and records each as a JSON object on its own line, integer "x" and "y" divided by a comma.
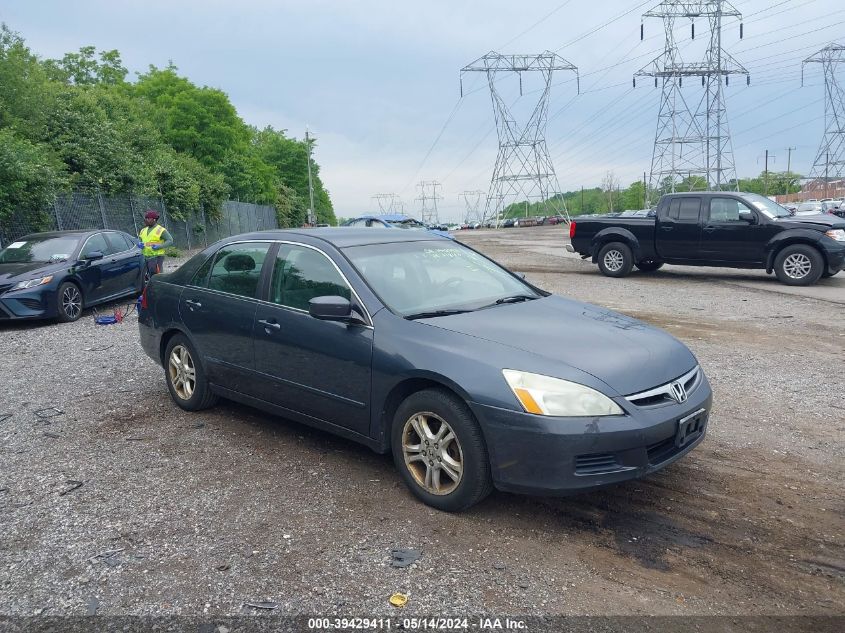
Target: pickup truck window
{"x": 725, "y": 210}
{"x": 685, "y": 210}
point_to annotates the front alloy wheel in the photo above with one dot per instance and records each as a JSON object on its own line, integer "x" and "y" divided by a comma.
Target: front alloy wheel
{"x": 432, "y": 453}
{"x": 439, "y": 450}
{"x": 183, "y": 374}
{"x": 70, "y": 302}
{"x": 799, "y": 265}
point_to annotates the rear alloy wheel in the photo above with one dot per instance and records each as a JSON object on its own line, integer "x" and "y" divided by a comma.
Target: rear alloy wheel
{"x": 616, "y": 260}
{"x": 439, "y": 450}
{"x": 799, "y": 265}
{"x": 649, "y": 265}
{"x": 185, "y": 377}
{"x": 69, "y": 299}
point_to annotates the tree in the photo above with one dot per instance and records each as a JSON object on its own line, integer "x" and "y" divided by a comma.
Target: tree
{"x": 31, "y": 178}
{"x": 83, "y": 69}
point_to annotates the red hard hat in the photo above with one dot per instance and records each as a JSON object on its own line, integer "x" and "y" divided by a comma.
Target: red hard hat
{"x": 151, "y": 215}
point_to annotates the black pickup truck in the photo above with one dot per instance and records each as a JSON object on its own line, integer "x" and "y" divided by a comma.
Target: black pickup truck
{"x": 732, "y": 230}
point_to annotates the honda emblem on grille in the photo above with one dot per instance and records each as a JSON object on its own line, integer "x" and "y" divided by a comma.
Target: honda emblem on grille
{"x": 679, "y": 393}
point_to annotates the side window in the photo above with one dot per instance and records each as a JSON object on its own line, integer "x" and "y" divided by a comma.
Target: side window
{"x": 300, "y": 274}
{"x": 674, "y": 208}
{"x": 375, "y": 224}
{"x": 116, "y": 243}
{"x": 96, "y": 242}
{"x": 724, "y": 210}
{"x": 689, "y": 210}
{"x": 237, "y": 268}
{"x": 200, "y": 278}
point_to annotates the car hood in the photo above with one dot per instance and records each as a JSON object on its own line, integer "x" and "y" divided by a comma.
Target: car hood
{"x": 18, "y": 272}
{"x": 627, "y": 355}
{"x": 823, "y": 221}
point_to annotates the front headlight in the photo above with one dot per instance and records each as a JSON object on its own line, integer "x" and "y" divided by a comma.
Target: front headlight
{"x": 544, "y": 395}
{"x": 836, "y": 234}
{"x": 31, "y": 283}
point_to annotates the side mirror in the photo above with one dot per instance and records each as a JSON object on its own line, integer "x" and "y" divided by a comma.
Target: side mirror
{"x": 748, "y": 216}
{"x": 330, "y": 308}
{"x": 94, "y": 255}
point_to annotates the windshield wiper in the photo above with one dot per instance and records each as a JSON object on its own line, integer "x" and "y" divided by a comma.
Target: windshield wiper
{"x": 515, "y": 299}
{"x": 435, "y": 313}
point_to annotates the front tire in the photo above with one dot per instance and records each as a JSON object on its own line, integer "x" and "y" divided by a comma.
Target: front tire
{"x": 69, "y": 302}
{"x": 439, "y": 451}
{"x": 185, "y": 376}
{"x": 799, "y": 265}
{"x": 616, "y": 260}
{"x": 649, "y": 265}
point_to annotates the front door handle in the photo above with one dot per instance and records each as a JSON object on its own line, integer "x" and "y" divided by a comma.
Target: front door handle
{"x": 193, "y": 304}
{"x": 709, "y": 229}
{"x": 270, "y": 324}
{"x": 666, "y": 228}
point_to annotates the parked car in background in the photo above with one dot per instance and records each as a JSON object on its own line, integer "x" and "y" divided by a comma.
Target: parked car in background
{"x": 733, "y": 230}
{"x": 413, "y": 344}
{"x": 57, "y": 275}
{"x": 808, "y": 208}
{"x": 393, "y": 221}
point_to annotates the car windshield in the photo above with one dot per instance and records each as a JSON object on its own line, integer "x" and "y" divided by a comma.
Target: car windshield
{"x": 39, "y": 249}
{"x": 765, "y": 206}
{"x": 415, "y": 278}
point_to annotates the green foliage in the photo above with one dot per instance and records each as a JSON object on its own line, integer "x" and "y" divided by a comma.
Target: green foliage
{"x": 77, "y": 122}
{"x": 31, "y": 178}
{"x": 772, "y": 184}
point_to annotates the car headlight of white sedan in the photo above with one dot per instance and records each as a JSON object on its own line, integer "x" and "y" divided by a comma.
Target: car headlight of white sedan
{"x": 544, "y": 395}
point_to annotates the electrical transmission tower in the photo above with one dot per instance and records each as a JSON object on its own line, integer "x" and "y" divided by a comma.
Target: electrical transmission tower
{"x": 830, "y": 159}
{"x": 523, "y": 169}
{"x": 692, "y": 138}
{"x": 388, "y": 203}
{"x": 428, "y": 201}
{"x": 472, "y": 202}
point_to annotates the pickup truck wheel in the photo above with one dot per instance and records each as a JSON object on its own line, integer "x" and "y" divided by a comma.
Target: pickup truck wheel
{"x": 615, "y": 260}
{"x": 799, "y": 265}
{"x": 649, "y": 265}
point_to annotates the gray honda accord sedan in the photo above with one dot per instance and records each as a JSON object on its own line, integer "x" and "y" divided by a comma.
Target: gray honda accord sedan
{"x": 417, "y": 345}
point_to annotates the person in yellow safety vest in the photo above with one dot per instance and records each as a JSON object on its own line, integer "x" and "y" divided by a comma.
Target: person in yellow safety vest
{"x": 154, "y": 239}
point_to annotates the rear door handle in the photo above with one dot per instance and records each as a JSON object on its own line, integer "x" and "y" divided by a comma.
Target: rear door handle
{"x": 666, "y": 228}
{"x": 709, "y": 229}
{"x": 193, "y": 304}
{"x": 270, "y": 324}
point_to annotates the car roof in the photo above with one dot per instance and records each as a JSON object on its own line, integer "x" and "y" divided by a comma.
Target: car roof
{"x": 75, "y": 233}
{"x": 341, "y": 237}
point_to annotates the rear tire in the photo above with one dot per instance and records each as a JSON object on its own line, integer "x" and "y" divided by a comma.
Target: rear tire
{"x": 649, "y": 265}
{"x": 439, "y": 451}
{"x": 615, "y": 260}
{"x": 799, "y": 265}
{"x": 69, "y": 302}
{"x": 185, "y": 376}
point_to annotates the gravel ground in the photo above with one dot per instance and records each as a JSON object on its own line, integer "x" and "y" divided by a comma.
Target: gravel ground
{"x": 190, "y": 514}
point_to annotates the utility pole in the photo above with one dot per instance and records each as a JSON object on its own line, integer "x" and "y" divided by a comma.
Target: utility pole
{"x": 388, "y": 203}
{"x": 312, "y": 216}
{"x": 645, "y": 192}
{"x": 472, "y": 202}
{"x": 766, "y": 172}
{"x": 693, "y": 139}
{"x": 428, "y": 199}
{"x": 833, "y": 141}
{"x": 523, "y": 169}
{"x": 789, "y": 158}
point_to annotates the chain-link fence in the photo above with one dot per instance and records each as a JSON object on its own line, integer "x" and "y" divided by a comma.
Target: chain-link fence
{"x": 92, "y": 210}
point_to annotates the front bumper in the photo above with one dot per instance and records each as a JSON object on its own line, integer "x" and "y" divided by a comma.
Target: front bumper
{"x": 33, "y": 303}
{"x": 835, "y": 254}
{"x": 533, "y": 454}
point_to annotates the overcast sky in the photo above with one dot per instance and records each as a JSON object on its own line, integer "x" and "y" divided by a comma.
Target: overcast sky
{"x": 377, "y": 80}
